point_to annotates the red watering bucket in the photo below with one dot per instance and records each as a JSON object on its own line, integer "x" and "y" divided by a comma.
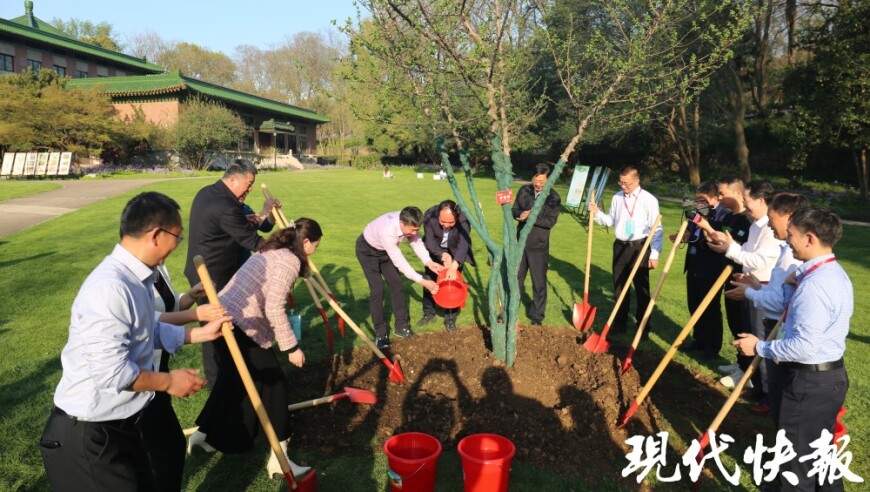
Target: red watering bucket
{"x": 486, "y": 462}
{"x": 451, "y": 293}
{"x": 413, "y": 458}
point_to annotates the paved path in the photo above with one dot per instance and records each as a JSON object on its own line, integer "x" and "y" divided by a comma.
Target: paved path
{"x": 20, "y": 213}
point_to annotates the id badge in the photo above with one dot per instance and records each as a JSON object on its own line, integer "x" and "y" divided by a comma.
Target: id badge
{"x": 629, "y": 228}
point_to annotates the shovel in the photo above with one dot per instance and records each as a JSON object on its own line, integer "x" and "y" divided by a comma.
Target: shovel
{"x": 309, "y": 482}
{"x": 704, "y": 439}
{"x": 584, "y": 314}
{"x": 723, "y": 277}
{"x": 626, "y": 365}
{"x": 277, "y": 213}
{"x": 598, "y": 343}
{"x": 396, "y": 374}
{"x": 323, "y": 315}
{"x": 316, "y": 272}
{"x": 355, "y": 395}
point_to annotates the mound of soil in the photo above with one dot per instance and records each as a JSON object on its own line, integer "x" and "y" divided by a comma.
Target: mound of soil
{"x": 559, "y": 404}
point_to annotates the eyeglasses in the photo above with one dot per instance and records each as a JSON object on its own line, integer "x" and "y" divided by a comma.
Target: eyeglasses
{"x": 625, "y": 184}
{"x": 179, "y": 237}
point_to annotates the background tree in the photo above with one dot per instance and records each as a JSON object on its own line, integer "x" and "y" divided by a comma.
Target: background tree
{"x": 37, "y": 112}
{"x": 830, "y": 92}
{"x": 203, "y": 128}
{"x": 98, "y": 34}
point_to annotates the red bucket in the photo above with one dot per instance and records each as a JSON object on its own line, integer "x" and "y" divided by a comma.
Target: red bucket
{"x": 451, "y": 293}
{"x": 413, "y": 458}
{"x": 486, "y": 462}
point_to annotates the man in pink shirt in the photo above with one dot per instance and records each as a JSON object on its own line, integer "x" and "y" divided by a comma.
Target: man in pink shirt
{"x": 377, "y": 250}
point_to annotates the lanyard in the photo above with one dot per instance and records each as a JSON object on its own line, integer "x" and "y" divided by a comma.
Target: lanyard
{"x": 803, "y": 277}
{"x": 625, "y": 202}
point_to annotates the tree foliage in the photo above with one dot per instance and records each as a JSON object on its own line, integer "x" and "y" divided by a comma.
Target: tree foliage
{"x": 38, "y": 112}
{"x": 830, "y": 92}
{"x": 191, "y": 59}
{"x": 100, "y": 34}
{"x": 204, "y": 127}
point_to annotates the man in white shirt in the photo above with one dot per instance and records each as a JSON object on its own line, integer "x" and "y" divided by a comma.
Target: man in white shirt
{"x": 633, "y": 212}
{"x": 757, "y": 256}
{"x": 769, "y": 298}
{"x": 93, "y": 440}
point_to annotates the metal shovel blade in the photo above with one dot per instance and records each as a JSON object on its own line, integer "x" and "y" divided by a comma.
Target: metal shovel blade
{"x": 308, "y": 483}
{"x": 396, "y": 374}
{"x": 596, "y": 343}
{"x": 358, "y": 395}
{"x": 583, "y": 316}
{"x": 626, "y": 364}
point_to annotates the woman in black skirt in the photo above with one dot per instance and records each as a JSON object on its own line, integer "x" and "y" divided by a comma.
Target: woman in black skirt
{"x": 256, "y": 297}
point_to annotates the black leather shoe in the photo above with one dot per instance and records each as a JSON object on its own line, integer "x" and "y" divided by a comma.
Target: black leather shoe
{"x": 536, "y": 323}
{"x": 425, "y": 320}
{"x": 404, "y": 332}
{"x": 382, "y": 343}
{"x": 450, "y": 325}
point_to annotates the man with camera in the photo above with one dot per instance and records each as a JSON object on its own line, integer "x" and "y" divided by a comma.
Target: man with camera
{"x": 703, "y": 267}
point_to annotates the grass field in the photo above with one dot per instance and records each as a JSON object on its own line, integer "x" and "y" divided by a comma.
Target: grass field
{"x": 13, "y": 189}
{"x": 42, "y": 268}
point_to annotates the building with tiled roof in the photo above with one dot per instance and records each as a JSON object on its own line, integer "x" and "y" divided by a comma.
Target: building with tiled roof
{"x": 134, "y": 83}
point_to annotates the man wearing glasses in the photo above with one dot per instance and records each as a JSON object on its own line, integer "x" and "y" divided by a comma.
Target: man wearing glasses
{"x": 633, "y": 212}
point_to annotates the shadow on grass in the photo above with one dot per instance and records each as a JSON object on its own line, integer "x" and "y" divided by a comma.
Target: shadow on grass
{"x": 600, "y": 287}
{"x": 9, "y": 263}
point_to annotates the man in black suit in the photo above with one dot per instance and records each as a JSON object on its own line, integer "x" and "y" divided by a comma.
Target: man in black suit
{"x": 448, "y": 240}
{"x": 221, "y": 233}
{"x": 536, "y": 255}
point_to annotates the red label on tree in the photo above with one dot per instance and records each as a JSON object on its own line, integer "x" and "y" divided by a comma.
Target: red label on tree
{"x": 504, "y": 196}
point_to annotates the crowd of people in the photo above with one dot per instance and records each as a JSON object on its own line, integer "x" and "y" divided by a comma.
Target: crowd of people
{"x": 112, "y": 426}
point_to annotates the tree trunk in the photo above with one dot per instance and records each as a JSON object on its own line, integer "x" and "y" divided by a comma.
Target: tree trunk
{"x": 738, "y": 107}
{"x": 791, "y": 28}
{"x": 862, "y": 168}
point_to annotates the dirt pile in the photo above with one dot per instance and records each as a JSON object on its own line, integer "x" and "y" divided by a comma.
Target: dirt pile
{"x": 558, "y": 403}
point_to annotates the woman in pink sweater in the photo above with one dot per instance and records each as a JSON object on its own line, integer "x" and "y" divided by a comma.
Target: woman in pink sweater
{"x": 256, "y": 298}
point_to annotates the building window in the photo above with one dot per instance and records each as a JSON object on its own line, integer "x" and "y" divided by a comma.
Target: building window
{"x": 59, "y": 70}
{"x": 81, "y": 74}
{"x": 34, "y": 65}
{"x": 7, "y": 63}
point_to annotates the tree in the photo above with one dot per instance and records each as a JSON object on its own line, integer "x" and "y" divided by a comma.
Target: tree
{"x": 204, "y": 127}
{"x": 38, "y": 112}
{"x": 198, "y": 62}
{"x": 830, "y": 93}
{"x": 97, "y": 34}
{"x": 472, "y": 58}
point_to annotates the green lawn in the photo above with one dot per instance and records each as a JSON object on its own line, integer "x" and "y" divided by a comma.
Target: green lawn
{"x": 42, "y": 268}
{"x": 13, "y": 189}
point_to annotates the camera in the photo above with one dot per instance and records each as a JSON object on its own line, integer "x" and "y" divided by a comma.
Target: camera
{"x": 697, "y": 209}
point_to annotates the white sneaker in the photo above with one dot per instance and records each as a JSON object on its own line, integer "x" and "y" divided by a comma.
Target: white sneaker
{"x": 728, "y": 369}
{"x": 731, "y": 380}
{"x": 273, "y": 467}
{"x": 198, "y": 439}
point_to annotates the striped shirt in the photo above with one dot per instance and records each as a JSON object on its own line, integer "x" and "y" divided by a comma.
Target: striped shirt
{"x": 818, "y": 317}
{"x": 770, "y": 298}
{"x": 256, "y": 296}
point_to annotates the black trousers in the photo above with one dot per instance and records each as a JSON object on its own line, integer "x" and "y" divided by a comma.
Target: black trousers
{"x": 377, "y": 267}
{"x": 210, "y": 363}
{"x": 624, "y": 256}
{"x": 96, "y": 456}
{"x": 536, "y": 262}
{"x": 228, "y": 419}
{"x": 708, "y": 329}
{"x": 450, "y": 315}
{"x": 167, "y": 446}
{"x": 809, "y": 402}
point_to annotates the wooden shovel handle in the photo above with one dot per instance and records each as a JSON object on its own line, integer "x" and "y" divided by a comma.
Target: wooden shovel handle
{"x": 247, "y": 380}
{"x": 732, "y": 398}
{"x": 634, "y": 269}
{"x": 662, "y": 277}
{"x": 723, "y": 277}
{"x": 277, "y": 213}
{"x": 589, "y": 243}
{"x": 314, "y": 295}
{"x": 311, "y": 403}
{"x": 350, "y": 322}
{"x": 319, "y": 277}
